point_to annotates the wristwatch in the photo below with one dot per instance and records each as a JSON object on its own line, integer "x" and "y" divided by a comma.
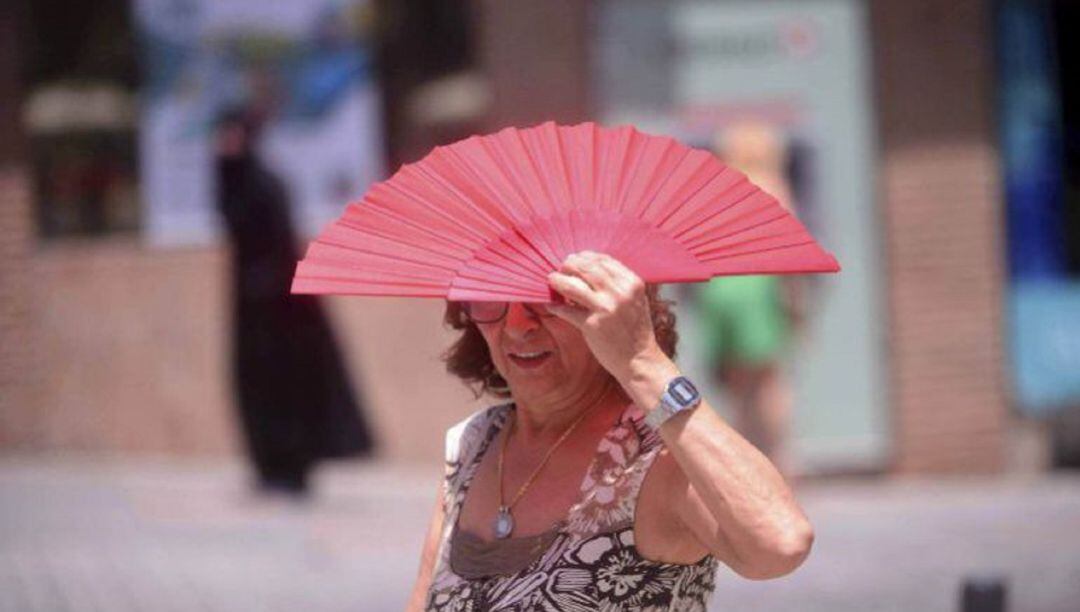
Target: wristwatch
{"x": 681, "y": 395}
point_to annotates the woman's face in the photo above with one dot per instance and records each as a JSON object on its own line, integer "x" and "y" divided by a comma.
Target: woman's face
{"x": 543, "y": 358}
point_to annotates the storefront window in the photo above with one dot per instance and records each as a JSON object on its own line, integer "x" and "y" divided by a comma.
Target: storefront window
{"x": 80, "y": 116}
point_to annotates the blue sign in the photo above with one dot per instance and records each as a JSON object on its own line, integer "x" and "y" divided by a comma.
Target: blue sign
{"x": 1046, "y": 345}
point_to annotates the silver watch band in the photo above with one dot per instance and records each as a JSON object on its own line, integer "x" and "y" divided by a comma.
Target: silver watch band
{"x": 662, "y": 412}
{"x": 670, "y": 405}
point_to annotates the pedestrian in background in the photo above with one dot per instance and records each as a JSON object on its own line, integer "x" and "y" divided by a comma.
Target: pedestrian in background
{"x": 749, "y": 321}
{"x": 295, "y": 403}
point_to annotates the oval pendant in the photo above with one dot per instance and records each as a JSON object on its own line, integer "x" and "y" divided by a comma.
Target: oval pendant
{"x": 504, "y": 523}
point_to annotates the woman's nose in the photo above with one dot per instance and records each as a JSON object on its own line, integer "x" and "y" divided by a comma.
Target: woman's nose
{"x": 520, "y": 319}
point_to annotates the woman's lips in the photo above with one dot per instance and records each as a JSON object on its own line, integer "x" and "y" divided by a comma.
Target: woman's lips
{"x": 530, "y": 359}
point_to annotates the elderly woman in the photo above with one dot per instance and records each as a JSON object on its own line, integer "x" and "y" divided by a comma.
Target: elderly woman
{"x": 606, "y": 483}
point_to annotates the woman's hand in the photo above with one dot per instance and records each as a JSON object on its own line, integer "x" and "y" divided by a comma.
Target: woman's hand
{"x": 609, "y": 305}
{"x": 728, "y": 496}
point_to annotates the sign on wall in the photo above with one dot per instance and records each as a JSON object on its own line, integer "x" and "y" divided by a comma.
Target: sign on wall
{"x": 307, "y": 61}
{"x": 1044, "y": 253}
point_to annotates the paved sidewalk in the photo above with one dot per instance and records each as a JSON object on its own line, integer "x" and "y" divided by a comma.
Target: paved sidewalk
{"x": 140, "y": 535}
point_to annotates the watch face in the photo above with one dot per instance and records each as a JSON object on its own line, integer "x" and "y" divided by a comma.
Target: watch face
{"x": 683, "y": 391}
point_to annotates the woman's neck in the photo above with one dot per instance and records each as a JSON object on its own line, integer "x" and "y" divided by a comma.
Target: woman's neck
{"x": 540, "y": 421}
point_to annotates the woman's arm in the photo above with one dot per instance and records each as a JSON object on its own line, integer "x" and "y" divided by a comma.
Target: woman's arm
{"x": 427, "y": 558}
{"x": 725, "y": 491}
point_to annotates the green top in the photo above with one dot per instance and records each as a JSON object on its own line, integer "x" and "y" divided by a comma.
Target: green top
{"x": 743, "y": 319}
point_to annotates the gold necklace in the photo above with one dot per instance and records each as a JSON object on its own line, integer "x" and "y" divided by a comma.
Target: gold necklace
{"x": 504, "y": 521}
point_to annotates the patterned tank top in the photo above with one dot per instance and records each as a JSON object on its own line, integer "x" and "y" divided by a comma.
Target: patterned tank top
{"x": 591, "y": 562}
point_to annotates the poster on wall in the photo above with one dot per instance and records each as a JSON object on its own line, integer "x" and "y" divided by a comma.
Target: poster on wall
{"x": 303, "y": 64}
{"x": 1040, "y": 193}
{"x": 780, "y": 90}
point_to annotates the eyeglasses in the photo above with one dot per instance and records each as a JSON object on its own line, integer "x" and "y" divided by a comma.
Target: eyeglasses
{"x": 493, "y": 312}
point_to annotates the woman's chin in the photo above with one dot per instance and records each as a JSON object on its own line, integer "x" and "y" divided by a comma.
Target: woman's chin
{"x": 533, "y": 383}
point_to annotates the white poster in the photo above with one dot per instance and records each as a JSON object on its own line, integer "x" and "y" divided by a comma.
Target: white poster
{"x": 309, "y": 61}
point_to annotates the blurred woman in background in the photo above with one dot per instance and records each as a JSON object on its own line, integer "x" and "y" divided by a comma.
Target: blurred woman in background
{"x": 295, "y": 403}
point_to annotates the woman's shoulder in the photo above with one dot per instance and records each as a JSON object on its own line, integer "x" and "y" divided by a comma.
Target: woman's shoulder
{"x": 467, "y": 435}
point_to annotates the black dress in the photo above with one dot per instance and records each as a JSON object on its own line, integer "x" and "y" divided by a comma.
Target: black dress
{"x": 295, "y": 402}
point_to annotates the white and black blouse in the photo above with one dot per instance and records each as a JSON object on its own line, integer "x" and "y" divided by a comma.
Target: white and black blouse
{"x": 586, "y": 562}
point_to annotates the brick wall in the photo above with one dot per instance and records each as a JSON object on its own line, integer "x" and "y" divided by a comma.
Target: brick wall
{"x": 17, "y": 346}
{"x": 943, "y": 220}
{"x": 134, "y": 344}
{"x": 18, "y": 364}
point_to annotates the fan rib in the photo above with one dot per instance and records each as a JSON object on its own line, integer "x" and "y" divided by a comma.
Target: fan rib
{"x": 685, "y": 204}
{"x": 511, "y": 176}
{"x": 641, "y": 184}
{"x": 320, "y": 248}
{"x": 624, "y": 181}
{"x": 319, "y": 268}
{"x": 543, "y": 248}
{"x": 726, "y": 183}
{"x": 756, "y": 244}
{"x": 378, "y": 245}
{"x": 494, "y": 255}
{"x": 593, "y": 200}
{"x": 303, "y": 285}
{"x": 568, "y": 181}
{"x": 687, "y": 192}
{"x": 705, "y": 241}
{"x": 536, "y": 167}
{"x": 659, "y": 188}
{"x": 471, "y": 274}
{"x": 465, "y": 282}
{"x": 486, "y": 179}
{"x": 702, "y": 225}
{"x": 375, "y": 206}
{"x": 381, "y": 234}
{"x": 514, "y": 239}
{"x": 493, "y": 221}
{"x": 802, "y": 258}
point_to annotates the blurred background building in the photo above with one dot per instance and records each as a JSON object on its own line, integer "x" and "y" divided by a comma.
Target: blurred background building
{"x": 932, "y": 145}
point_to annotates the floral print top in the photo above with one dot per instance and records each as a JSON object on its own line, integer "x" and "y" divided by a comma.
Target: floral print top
{"x": 592, "y": 563}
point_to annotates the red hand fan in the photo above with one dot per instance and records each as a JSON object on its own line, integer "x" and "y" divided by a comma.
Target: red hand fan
{"x": 488, "y": 217}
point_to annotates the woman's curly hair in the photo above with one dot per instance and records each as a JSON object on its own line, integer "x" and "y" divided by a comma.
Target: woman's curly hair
{"x": 468, "y": 357}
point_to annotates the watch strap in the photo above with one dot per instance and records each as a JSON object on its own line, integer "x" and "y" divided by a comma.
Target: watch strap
{"x": 671, "y": 403}
{"x": 656, "y": 417}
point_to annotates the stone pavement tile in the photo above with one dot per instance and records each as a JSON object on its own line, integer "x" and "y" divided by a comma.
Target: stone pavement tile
{"x": 910, "y": 545}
